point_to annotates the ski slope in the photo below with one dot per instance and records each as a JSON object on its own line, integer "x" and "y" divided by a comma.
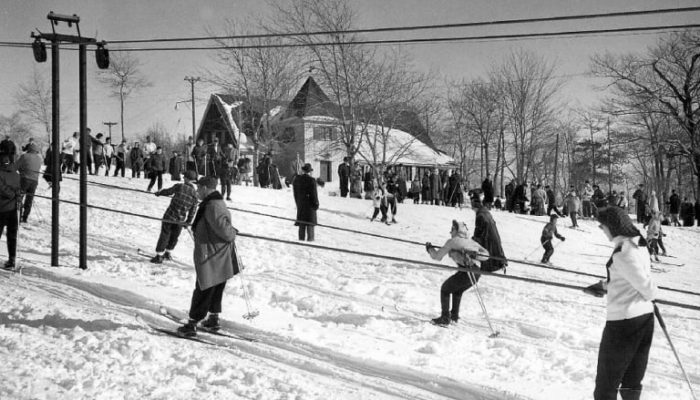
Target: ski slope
{"x": 332, "y": 325}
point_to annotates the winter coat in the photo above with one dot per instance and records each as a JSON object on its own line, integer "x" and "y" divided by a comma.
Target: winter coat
{"x": 675, "y": 203}
{"x": 599, "y": 198}
{"x": 415, "y": 186}
{"x": 487, "y": 188}
{"x": 653, "y": 229}
{"x": 9, "y": 189}
{"x": 175, "y": 167}
{"x": 641, "y": 198}
{"x": 157, "y": 162}
{"x": 653, "y": 203}
{"x": 48, "y": 171}
{"x": 30, "y": 163}
{"x": 551, "y": 200}
{"x": 136, "y": 157}
{"x": 343, "y": 171}
{"x": 377, "y": 195}
{"x": 548, "y": 232}
{"x": 630, "y": 289}
{"x": 587, "y": 193}
{"x": 215, "y": 258}
{"x": 486, "y": 234}
{"x": 306, "y": 198}
{"x": 435, "y": 187}
{"x": 426, "y": 193}
{"x": 183, "y": 203}
{"x": 519, "y": 193}
{"x": 8, "y": 147}
{"x": 198, "y": 153}
{"x": 622, "y": 202}
{"x": 572, "y": 203}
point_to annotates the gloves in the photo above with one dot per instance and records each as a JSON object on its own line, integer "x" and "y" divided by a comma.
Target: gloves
{"x": 428, "y": 246}
{"x": 597, "y": 289}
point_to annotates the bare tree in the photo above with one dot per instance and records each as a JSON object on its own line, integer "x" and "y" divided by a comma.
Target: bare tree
{"x": 123, "y": 78}
{"x": 34, "y": 99}
{"x": 665, "y": 80}
{"x": 529, "y": 88}
{"x": 15, "y": 128}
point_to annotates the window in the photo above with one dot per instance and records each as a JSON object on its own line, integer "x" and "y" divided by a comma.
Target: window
{"x": 288, "y": 136}
{"x": 324, "y": 133}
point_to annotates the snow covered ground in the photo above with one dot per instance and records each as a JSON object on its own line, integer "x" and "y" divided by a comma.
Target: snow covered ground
{"x": 331, "y": 325}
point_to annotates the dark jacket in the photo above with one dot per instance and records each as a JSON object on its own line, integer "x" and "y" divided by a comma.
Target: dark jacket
{"x": 486, "y": 234}
{"x": 175, "y": 167}
{"x": 551, "y": 199}
{"x": 7, "y": 146}
{"x": 427, "y": 194}
{"x": 215, "y": 258}
{"x": 487, "y": 189}
{"x": 548, "y": 232}
{"x": 306, "y": 197}
{"x": 198, "y": 153}
{"x": 9, "y": 189}
{"x": 136, "y": 157}
{"x": 675, "y": 203}
{"x": 343, "y": 171}
{"x": 157, "y": 162}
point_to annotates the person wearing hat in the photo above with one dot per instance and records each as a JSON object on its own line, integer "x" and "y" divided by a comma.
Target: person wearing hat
{"x": 465, "y": 252}
{"x": 344, "y": 176}
{"x": 179, "y": 213}
{"x": 156, "y": 167}
{"x": 629, "y": 327}
{"x": 136, "y": 157}
{"x": 10, "y": 198}
{"x": 548, "y": 233}
{"x": 306, "y": 198}
{"x": 120, "y": 156}
{"x": 215, "y": 257}
{"x": 29, "y": 166}
{"x": 486, "y": 234}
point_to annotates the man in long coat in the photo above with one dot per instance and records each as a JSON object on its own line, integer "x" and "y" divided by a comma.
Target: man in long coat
{"x": 215, "y": 258}
{"x": 487, "y": 189}
{"x": 486, "y": 234}
{"x": 344, "y": 175}
{"x": 306, "y": 197}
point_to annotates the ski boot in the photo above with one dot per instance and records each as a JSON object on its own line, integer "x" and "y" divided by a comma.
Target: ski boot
{"x": 442, "y": 320}
{"x": 189, "y": 329}
{"x": 157, "y": 259}
{"x": 454, "y": 316}
{"x": 167, "y": 256}
{"x": 9, "y": 264}
{"x": 212, "y": 323}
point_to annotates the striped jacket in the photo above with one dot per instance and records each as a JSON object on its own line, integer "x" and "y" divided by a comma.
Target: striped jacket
{"x": 184, "y": 203}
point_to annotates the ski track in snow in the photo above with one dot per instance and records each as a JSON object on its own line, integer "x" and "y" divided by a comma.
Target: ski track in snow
{"x": 332, "y": 325}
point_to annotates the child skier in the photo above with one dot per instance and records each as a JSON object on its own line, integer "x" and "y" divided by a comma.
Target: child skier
{"x": 377, "y": 197}
{"x": 548, "y": 233}
{"x": 653, "y": 235}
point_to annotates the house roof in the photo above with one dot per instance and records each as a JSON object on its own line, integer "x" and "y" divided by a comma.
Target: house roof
{"x": 311, "y": 101}
{"x": 403, "y": 148}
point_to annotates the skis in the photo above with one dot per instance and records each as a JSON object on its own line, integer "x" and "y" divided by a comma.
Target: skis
{"x": 168, "y": 332}
{"x": 17, "y": 269}
{"x": 668, "y": 263}
{"x": 164, "y": 312}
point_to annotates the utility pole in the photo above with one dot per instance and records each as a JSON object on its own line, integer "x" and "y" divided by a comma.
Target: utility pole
{"x": 192, "y": 80}
{"x": 556, "y": 164}
{"x": 102, "y": 58}
{"x": 609, "y": 160}
{"x": 110, "y": 125}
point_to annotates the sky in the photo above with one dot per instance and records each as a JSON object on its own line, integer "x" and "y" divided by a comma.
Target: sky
{"x": 109, "y": 20}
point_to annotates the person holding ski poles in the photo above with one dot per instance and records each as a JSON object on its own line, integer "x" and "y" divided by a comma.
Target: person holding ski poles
{"x": 629, "y": 326}
{"x": 181, "y": 209}
{"x": 548, "y": 233}
{"x": 465, "y": 252}
{"x": 215, "y": 258}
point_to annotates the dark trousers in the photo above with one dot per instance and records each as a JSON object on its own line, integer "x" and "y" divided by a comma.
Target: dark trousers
{"x": 108, "y": 165}
{"x": 344, "y": 186}
{"x": 661, "y": 243}
{"x": 9, "y": 219}
{"x": 135, "y": 171}
{"x": 551, "y": 207}
{"x": 548, "y": 250}
{"x": 99, "y": 161}
{"x": 29, "y": 188}
{"x": 623, "y": 356}
{"x": 653, "y": 247}
{"x": 67, "y": 164}
{"x": 306, "y": 232}
{"x": 190, "y": 166}
{"x": 120, "y": 167}
{"x": 226, "y": 187}
{"x": 156, "y": 175}
{"x": 169, "y": 233}
{"x": 455, "y": 286}
{"x": 376, "y": 212}
{"x": 572, "y": 214}
{"x": 204, "y": 301}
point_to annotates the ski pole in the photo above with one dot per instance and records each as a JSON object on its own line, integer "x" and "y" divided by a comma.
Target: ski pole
{"x": 675, "y": 353}
{"x": 251, "y": 314}
{"x": 472, "y": 279}
{"x": 537, "y": 248}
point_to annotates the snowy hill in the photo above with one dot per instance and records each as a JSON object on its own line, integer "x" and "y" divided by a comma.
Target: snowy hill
{"x": 331, "y": 325}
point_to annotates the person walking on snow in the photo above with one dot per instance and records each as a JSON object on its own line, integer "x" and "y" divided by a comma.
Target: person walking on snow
{"x": 181, "y": 209}
{"x": 215, "y": 258}
{"x": 465, "y": 252}
{"x": 10, "y": 200}
{"x": 629, "y": 327}
{"x": 548, "y": 233}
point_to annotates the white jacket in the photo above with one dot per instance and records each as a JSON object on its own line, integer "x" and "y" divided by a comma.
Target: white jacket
{"x": 630, "y": 289}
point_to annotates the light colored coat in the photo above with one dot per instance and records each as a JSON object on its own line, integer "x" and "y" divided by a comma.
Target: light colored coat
{"x": 215, "y": 258}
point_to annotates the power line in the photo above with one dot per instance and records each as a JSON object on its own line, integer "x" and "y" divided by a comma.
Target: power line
{"x": 425, "y": 40}
{"x": 421, "y": 27}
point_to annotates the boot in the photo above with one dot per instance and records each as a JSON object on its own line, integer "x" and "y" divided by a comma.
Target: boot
{"x": 10, "y": 264}
{"x": 454, "y": 316}
{"x": 189, "y": 329}
{"x": 157, "y": 259}
{"x": 630, "y": 394}
{"x": 167, "y": 256}
{"x": 212, "y": 323}
{"x": 443, "y": 319}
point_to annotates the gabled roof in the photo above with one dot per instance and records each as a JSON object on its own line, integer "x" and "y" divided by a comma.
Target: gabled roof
{"x": 311, "y": 101}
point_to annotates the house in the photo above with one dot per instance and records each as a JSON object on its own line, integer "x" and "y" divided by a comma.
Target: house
{"x": 306, "y": 131}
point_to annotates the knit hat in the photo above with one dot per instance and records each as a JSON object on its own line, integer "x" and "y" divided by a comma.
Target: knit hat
{"x": 617, "y": 221}
{"x": 191, "y": 176}
{"x": 461, "y": 228}
{"x": 208, "y": 181}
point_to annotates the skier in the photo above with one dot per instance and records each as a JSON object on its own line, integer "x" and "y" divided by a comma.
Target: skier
{"x": 548, "y": 233}
{"x": 465, "y": 252}
{"x": 486, "y": 234}
{"x": 629, "y": 329}
{"x": 215, "y": 258}
{"x": 653, "y": 235}
{"x": 156, "y": 167}
{"x": 306, "y": 198}
{"x": 552, "y": 202}
{"x": 674, "y": 203}
{"x": 181, "y": 209}
{"x": 10, "y": 191}
{"x": 572, "y": 205}
{"x": 28, "y": 167}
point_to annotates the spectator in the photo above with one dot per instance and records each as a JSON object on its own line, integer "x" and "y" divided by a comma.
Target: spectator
{"x": 136, "y": 158}
{"x": 28, "y": 166}
{"x": 120, "y": 156}
{"x": 108, "y": 155}
{"x": 344, "y": 176}
{"x": 156, "y": 168}
{"x": 306, "y": 198}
